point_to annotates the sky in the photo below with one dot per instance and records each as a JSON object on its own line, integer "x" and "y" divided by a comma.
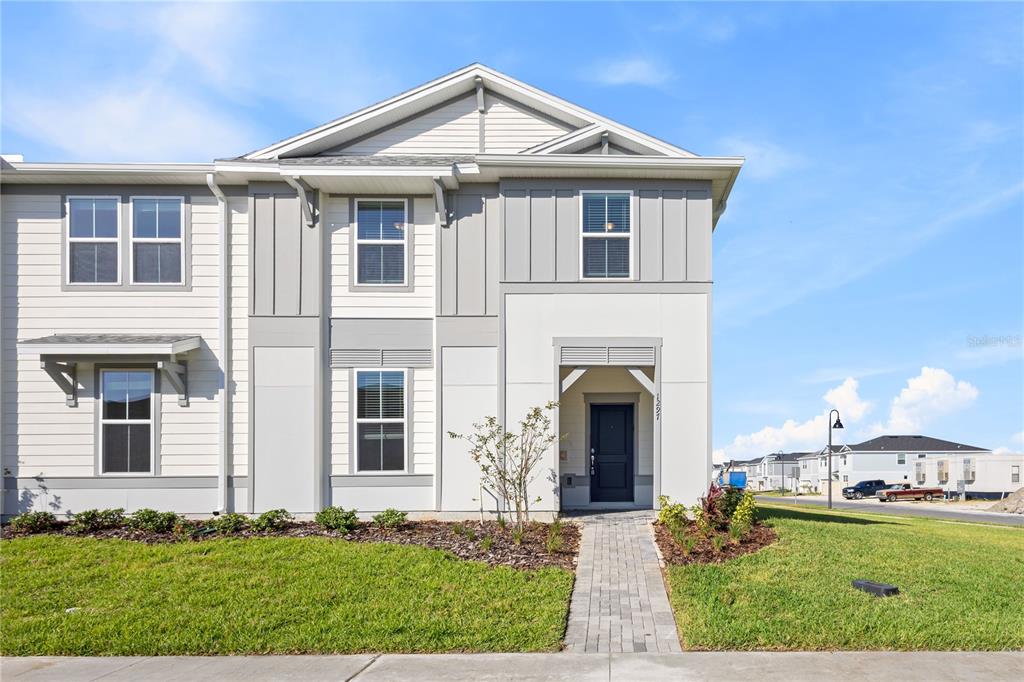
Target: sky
{"x": 872, "y": 255}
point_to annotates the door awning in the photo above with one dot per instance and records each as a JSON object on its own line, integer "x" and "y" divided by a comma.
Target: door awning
{"x": 59, "y": 355}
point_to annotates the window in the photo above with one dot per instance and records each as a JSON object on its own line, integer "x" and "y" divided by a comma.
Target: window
{"x": 921, "y": 456}
{"x": 126, "y": 421}
{"x": 380, "y": 241}
{"x": 380, "y": 420}
{"x": 846, "y": 479}
{"x": 93, "y": 231}
{"x": 157, "y": 227}
{"x": 606, "y": 236}
{"x": 1015, "y": 474}
{"x": 901, "y": 459}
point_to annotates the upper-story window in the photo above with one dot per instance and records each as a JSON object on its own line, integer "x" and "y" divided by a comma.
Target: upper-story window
{"x": 158, "y": 224}
{"x": 381, "y": 241}
{"x": 901, "y": 459}
{"x": 94, "y": 227}
{"x": 607, "y": 243}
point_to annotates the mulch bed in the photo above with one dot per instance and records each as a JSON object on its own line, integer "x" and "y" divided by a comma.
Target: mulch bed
{"x": 465, "y": 540}
{"x": 704, "y": 551}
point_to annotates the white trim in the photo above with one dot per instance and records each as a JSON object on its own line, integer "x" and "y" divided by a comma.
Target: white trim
{"x": 462, "y": 80}
{"x": 173, "y": 348}
{"x": 153, "y": 398}
{"x": 605, "y": 235}
{"x": 406, "y": 421}
{"x": 404, "y": 242}
{"x": 132, "y": 239}
{"x": 69, "y": 240}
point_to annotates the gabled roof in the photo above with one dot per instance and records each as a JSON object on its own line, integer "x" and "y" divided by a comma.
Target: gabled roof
{"x": 461, "y": 82}
{"x": 912, "y": 444}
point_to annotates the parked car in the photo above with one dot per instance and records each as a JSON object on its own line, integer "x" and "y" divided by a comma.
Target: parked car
{"x": 904, "y": 491}
{"x": 863, "y": 488}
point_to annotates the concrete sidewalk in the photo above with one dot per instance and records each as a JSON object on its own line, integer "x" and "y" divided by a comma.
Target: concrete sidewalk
{"x": 763, "y": 666}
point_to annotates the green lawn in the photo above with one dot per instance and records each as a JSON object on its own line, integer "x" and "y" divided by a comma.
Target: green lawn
{"x": 267, "y": 595}
{"x": 962, "y": 586}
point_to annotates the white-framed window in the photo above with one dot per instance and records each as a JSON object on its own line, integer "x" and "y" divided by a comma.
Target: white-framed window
{"x": 901, "y": 459}
{"x": 157, "y": 239}
{"x": 380, "y": 441}
{"x": 1015, "y": 473}
{"x": 93, "y": 234}
{"x": 382, "y": 243}
{"x": 606, "y": 235}
{"x": 126, "y": 421}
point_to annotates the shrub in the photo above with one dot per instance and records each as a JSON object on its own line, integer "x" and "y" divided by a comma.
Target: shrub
{"x": 708, "y": 514}
{"x": 336, "y": 518}
{"x": 671, "y": 514}
{"x": 390, "y": 518}
{"x": 729, "y": 501}
{"x": 92, "y": 520}
{"x": 274, "y": 519}
{"x": 486, "y": 543}
{"x": 458, "y": 529}
{"x": 152, "y": 520}
{"x": 229, "y": 523}
{"x": 33, "y": 522}
{"x": 183, "y": 529}
{"x": 743, "y": 516}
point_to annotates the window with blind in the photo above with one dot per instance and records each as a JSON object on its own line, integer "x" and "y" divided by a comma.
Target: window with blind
{"x": 380, "y": 420}
{"x": 126, "y": 421}
{"x": 381, "y": 239}
{"x": 157, "y": 229}
{"x": 606, "y": 235}
{"x": 93, "y": 233}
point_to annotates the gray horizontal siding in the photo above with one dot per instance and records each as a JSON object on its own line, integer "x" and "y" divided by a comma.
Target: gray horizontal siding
{"x": 395, "y": 333}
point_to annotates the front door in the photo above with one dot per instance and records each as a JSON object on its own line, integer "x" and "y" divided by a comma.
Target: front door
{"x": 611, "y": 453}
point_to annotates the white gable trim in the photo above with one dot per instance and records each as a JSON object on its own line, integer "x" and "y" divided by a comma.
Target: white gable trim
{"x": 400, "y": 107}
{"x": 577, "y": 140}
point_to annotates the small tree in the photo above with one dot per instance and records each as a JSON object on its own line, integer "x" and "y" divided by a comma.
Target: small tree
{"x": 508, "y": 460}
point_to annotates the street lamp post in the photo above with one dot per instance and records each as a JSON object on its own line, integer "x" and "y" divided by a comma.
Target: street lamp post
{"x": 837, "y": 425}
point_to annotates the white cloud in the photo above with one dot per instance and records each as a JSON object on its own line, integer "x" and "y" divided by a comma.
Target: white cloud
{"x": 931, "y": 394}
{"x": 1018, "y": 437}
{"x": 764, "y": 159}
{"x": 154, "y": 123}
{"x": 631, "y": 71}
{"x": 811, "y": 434}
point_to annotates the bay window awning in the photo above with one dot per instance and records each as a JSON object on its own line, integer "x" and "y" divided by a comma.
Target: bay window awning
{"x": 60, "y": 354}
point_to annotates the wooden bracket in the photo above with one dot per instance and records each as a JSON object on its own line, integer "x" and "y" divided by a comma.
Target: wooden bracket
{"x": 177, "y": 377}
{"x": 65, "y": 375}
{"x": 572, "y": 377}
{"x": 642, "y": 379}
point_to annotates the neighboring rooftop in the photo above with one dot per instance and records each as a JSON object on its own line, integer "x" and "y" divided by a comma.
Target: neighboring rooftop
{"x": 912, "y": 444}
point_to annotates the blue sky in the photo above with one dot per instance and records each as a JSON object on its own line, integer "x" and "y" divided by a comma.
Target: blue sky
{"x": 872, "y": 256}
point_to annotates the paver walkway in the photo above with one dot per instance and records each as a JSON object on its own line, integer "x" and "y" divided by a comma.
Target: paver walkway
{"x": 619, "y": 602}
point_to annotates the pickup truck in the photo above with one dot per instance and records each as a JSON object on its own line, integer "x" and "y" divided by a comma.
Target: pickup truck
{"x": 863, "y": 489}
{"x": 903, "y": 491}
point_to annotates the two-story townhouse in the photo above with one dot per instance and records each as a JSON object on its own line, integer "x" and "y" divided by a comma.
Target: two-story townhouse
{"x": 300, "y": 326}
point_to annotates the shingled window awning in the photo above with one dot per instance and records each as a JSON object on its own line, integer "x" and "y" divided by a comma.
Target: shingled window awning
{"x": 60, "y": 354}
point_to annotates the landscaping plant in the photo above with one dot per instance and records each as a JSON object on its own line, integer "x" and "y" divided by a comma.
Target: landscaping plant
{"x": 743, "y": 517}
{"x": 554, "y": 540}
{"x": 672, "y": 514}
{"x": 33, "y": 522}
{"x": 229, "y": 523}
{"x": 508, "y": 460}
{"x": 92, "y": 520}
{"x": 336, "y": 518}
{"x": 274, "y": 519}
{"x": 152, "y": 521}
{"x": 390, "y": 518}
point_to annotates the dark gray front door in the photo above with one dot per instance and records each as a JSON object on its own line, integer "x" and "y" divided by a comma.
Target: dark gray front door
{"x": 611, "y": 453}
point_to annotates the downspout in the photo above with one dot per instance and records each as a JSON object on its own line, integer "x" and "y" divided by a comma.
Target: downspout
{"x": 225, "y": 344}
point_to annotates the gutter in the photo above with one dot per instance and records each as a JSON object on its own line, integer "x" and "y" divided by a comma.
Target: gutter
{"x": 223, "y": 337}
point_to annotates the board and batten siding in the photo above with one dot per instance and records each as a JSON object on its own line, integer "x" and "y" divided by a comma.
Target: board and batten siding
{"x": 671, "y": 230}
{"x": 41, "y": 435}
{"x": 347, "y": 300}
{"x": 469, "y": 247}
{"x": 421, "y": 429}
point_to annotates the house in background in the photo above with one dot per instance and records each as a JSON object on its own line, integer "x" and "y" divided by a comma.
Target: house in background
{"x": 300, "y": 326}
{"x": 925, "y": 461}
